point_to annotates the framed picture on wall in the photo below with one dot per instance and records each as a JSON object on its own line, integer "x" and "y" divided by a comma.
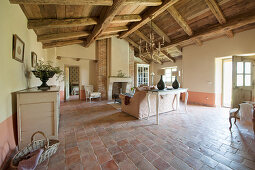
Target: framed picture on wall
{"x": 18, "y": 48}
{"x": 33, "y": 59}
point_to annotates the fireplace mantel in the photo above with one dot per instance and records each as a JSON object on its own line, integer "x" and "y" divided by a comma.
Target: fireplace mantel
{"x": 120, "y": 79}
{"x": 112, "y": 79}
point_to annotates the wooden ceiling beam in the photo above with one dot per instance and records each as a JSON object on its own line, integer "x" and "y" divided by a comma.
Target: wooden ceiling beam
{"x": 75, "y": 22}
{"x": 105, "y": 20}
{"x": 132, "y": 42}
{"x": 61, "y": 36}
{"x": 159, "y": 31}
{"x": 111, "y": 30}
{"x": 172, "y": 59}
{"x": 237, "y": 22}
{"x": 60, "y": 23}
{"x": 147, "y": 16}
{"x": 144, "y": 2}
{"x": 126, "y": 18}
{"x": 180, "y": 20}
{"x": 64, "y": 2}
{"x": 217, "y": 12}
{"x": 62, "y": 43}
{"x": 86, "y": 2}
{"x": 101, "y": 37}
{"x": 229, "y": 34}
{"x": 198, "y": 42}
{"x": 179, "y": 49}
{"x": 142, "y": 36}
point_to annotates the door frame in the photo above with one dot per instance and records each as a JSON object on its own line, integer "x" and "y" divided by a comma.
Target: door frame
{"x": 68, "y": 65}
{"x": 222, "y": 80}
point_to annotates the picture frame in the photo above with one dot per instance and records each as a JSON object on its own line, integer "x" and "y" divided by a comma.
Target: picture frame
{"x": 18, "y": 49}
{"x": 33, "y": 59}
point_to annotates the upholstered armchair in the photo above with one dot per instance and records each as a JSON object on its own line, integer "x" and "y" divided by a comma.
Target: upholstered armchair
{"x": 245, "y": 112}
{"x": 90, "y": 94}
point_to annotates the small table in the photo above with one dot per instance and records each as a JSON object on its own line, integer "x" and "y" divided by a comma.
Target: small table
{"x": 176, "y": 92}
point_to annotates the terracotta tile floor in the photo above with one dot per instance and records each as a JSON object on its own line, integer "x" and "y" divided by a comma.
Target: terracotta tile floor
{"x": 97, "y": 136}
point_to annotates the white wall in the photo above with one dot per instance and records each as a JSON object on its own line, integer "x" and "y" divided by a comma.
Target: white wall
{"x": 119, "y": 56}
{"x": 12, "y": 76}
{"x": 156, "y": 67}
{"x": 68, "y": 55}
{"x": 199, "y": 61}
{"x": 77, "y": 51}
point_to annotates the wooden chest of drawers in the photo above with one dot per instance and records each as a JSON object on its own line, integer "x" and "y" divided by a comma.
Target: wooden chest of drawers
{"x": 37, "y": 111}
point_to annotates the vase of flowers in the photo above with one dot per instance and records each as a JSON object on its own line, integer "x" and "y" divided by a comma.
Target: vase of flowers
{"x": 45, "y": 71}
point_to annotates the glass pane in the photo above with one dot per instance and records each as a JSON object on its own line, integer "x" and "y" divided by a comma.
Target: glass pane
{"x": 173, "y": 78}
{"x": 247, "y": 80}
{"x": 239, "y": 67}
{"x": 239, "y": 80}
{"x": 168, "y": 79}
{"x": 174, "y": 69}
{"x": 247, "y": 68}
{"x": 167, "y": 71}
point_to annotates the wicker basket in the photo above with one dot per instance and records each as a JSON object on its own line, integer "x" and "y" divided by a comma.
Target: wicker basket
{"x": 50, "y": 147}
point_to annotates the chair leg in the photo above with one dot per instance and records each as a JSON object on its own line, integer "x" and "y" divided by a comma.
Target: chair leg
{"x": 230, "y": 123}
{"x": 90, "y": 99}
{"x": 235, "y": 121}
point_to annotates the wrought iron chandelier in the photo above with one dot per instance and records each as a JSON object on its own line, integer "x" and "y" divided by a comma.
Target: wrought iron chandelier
{"x": 150, "y": 48}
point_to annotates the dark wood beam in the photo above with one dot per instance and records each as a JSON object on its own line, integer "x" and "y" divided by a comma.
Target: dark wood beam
{"x": 147, "y": 16}
{"x": 60, "y": 23}
{"x": 234, "y": 23}
{"x": 86, "y": 2}
{"x": 61, "y": 36}
{"x": 64, "y": 2}
{"x": 111, "y": 30}
{"x": 105, "y": 20}
{"x": 172, "y": 59}
{"x": 214, "y": 7}
{"x": 180, "y": 20}
{"x": 126, "y": 18}
{"x": 159, "y": 31}
{"x": 62, "y": 43}
{"x": 101, "y": 37}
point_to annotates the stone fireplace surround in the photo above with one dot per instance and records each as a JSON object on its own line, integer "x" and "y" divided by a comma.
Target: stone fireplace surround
{"x": 126, "y": 84}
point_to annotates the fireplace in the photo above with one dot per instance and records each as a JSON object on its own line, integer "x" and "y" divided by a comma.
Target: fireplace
{"x": 118, "y": 85}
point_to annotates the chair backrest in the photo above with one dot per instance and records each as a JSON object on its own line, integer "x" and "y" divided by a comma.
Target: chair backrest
{"x": 89, "y": 88}
{"x": 246, "y": 111}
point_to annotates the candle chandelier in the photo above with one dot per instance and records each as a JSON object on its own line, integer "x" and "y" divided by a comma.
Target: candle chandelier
{"x": 150, "y": 49}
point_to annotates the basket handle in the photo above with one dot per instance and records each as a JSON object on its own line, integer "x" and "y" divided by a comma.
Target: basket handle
{"x": 40, "y": 132}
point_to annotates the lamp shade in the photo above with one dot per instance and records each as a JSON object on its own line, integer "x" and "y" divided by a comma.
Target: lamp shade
{"x": 152, "y": 74}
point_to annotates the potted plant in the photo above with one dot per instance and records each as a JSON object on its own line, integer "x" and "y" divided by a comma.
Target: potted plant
{"x": 45, "y": 71}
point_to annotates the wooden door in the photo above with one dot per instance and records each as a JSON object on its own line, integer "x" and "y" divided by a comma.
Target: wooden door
{"x": 243, "y": 80}
{"x": 67, "y": 83}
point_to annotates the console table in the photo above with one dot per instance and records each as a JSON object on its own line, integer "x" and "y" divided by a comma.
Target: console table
{"x": 158, "y": 93}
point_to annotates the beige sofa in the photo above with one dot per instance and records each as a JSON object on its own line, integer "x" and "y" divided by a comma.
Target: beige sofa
{"x": 138, "y": 106}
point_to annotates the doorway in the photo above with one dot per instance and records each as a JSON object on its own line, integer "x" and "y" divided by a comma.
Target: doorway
{"x": 226, "y": 82}
{"x": 72, "y": 83}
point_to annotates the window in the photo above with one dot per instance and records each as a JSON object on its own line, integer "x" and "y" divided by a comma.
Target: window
{"x": 169, "y": 76}
{"x": 142, "y": 74}
{"x": 243, "y": 74}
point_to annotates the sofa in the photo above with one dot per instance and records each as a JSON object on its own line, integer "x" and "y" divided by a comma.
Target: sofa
{"x": 138, "y": 104}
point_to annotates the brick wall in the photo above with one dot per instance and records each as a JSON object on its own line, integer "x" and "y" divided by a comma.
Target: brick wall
{"x": 131, "y": 64}
{"x": 101, "y": 67}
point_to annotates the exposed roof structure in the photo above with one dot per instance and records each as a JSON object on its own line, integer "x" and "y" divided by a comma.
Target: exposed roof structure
{"x": 181, "y": 22}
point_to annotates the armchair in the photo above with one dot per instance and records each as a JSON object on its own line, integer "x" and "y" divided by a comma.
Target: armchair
{"x": 90, "y": 94}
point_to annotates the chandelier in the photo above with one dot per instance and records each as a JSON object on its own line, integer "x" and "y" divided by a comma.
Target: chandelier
{"x": 151, "y": 48}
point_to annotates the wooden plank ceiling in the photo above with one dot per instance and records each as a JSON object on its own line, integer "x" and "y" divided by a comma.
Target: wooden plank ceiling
{"x": 181, "y": 22}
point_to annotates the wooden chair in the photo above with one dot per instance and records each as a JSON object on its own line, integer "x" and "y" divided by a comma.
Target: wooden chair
{"x": 90, "y": 94}
{"x": 233, "y": 113}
